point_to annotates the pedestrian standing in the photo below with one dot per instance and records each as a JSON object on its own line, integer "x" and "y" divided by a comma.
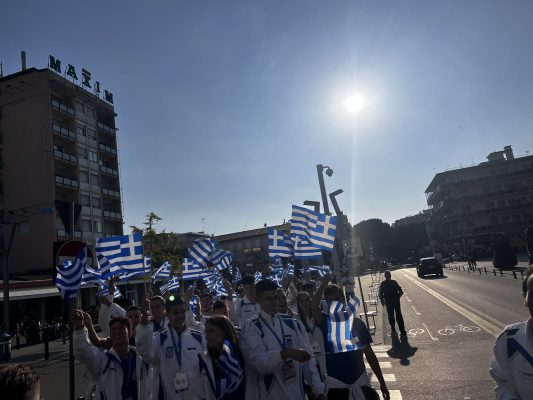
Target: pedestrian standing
{"x": 389, "y": 295}
{"x": 512, "y": 365}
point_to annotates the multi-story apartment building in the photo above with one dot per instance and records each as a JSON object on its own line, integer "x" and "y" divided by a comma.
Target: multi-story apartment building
{"x": 59, "y": 142}
{"x": 468, "y": 205}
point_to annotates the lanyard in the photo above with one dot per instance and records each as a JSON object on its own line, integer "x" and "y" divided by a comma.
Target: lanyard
{"x": 177, "y": 349}
{"x": 281, "y": 342}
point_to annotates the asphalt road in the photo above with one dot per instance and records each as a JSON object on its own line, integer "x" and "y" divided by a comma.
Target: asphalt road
{"x": 452, "y": 323}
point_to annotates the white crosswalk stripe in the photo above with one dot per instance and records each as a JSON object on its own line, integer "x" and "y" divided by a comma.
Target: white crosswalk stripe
{"x": 386, "y": 377}
{"x": 382, "y": 355}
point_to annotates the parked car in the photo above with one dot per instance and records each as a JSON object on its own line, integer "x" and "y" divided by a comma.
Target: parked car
{"x": 429, "y": 265}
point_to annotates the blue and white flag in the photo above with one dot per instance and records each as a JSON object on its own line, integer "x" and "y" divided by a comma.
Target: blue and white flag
{"x": 321, "y": 270}
{"x": 104, "y": 291}
{"x": 163, "y": 272}
{"x": 289, "y": 272}
{"x": 318, "y": 229}
{"x": 215, "y": 284}
{"x": 339, "y": 323}
{"x": 120, "y": 255}
{"x": 304, "y": 250}
{"x": 138, "y": 273}
{"x": 279, "y": 244}
{"x": 201, "y": 251}
{"x": 221, "y": 259}
{"x": 68, "y": 279}
{"x": 193, "y": 304}
{"x": 232, "y": 371}
{"x": 236, "y": 274}
{"x": 92, "y": 277}
{"x": 276, "y": 275}
{"x": 172, "y": 284}
{"x": 258, "y": 276}
{"x": 192, "y": 271}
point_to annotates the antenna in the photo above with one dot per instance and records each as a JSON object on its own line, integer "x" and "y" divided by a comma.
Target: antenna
{"x": 245, "y": 224}
{"x": 203, "y": 225}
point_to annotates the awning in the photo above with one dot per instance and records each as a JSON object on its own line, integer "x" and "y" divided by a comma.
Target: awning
{"x": 31, "y": 293}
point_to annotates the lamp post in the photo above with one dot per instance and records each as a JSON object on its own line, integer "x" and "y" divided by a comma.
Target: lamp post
{"x": 320, "y": 172}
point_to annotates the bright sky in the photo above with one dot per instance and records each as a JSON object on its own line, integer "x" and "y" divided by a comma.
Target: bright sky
{"x": 225, "y": 107}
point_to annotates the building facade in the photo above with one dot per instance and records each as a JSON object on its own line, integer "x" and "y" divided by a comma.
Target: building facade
{"x": 58, "y": 143}
{"x": 468, "y": 205}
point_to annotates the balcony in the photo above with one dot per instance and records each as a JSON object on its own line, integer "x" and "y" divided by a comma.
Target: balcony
{"x": 106, "y": 129}
{"x": 112, "y": 215}
{"x": 61, "y": 233}
{"x": 67, "y": 182}
{"x": 107, "y": 149}
{"x": 69, "y": 158}
{"x": 63, "y": 108}
{"x": 111, "y": 193}
{"x": 108, "y": 171}
{"x": 63, "y": 132}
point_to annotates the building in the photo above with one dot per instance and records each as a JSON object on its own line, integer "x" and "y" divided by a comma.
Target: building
{"x": 58, "y": 143}
{"x": 250, "y": 248}
{"x": 468, "y": 205}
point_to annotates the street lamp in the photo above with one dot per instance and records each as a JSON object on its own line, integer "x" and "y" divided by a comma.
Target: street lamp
{"x": 320, "y": 169}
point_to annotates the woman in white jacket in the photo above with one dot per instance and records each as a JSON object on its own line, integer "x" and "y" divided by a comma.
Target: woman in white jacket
{"x": 120, "y": 372}
{"x": 219, "y": 374}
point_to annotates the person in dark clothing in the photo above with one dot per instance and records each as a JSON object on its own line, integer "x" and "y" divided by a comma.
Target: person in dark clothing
{"x": 389, "y": 295}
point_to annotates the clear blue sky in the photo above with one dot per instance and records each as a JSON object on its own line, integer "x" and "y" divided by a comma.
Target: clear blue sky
{"x": 225, "y": 107}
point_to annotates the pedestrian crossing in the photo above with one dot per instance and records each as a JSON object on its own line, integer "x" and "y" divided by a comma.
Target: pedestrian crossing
{"x": 386, "y": 366}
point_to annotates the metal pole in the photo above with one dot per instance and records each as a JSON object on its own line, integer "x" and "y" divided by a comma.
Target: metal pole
{"x": 319, "y": 171}
{"x": 71, "y": 306}
{"x": 363, "y": 300}
{"x": 5, "y": 269}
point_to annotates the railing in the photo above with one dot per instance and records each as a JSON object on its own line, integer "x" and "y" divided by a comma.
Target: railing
{"x": 112, "y": 215}
{"x": 67, "y": 181}
{"x": 107, "y": 149}
{"x": 110, "y": 193}
{"x": 65, "y": 156}
{"x": 61, "y": 107}
{"x": 106, "y": 129}
{"x": 109, "y": 171}
{"x": 63, "y": 132}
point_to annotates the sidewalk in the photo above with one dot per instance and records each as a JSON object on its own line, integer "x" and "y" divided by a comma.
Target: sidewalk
{"x": 54, "y": 372}
{"x": 368, "y": 289}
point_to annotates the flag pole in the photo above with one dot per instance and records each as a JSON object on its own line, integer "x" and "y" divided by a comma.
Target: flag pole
{"x": 71, "y": 308}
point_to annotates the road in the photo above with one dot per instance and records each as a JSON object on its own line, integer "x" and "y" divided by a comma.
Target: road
{"x": 452, "y": 323}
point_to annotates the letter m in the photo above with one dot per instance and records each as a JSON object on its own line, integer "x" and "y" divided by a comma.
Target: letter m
{"x": 54, "y": 64}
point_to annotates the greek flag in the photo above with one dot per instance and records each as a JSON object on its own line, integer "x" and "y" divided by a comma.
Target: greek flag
{"x": 104, "y": 291}
{"x": 236, "y": 274}
{"x": 91, "y": 277}
{"x": 201, "y": 251}
{"x": 339, "y": 323}
{"x": 305, "y": 250}
{"x": 172, "y": 284}
{"x": 321, "y": 270}
{"x": 215, "y": 284}
{"x": 68, "y": 279}
{"x": 289, "y": 272}
{"x": 276, "y": 274}
{"x": 258, "y": 276}
{"x": 221, "y": 259}
{"x": 137, "y": 273}
{"x": 279, "y": 244}
{"x": 193, "y": 304}
{"x": 232, "y": 371}
{"x": 163, "y": 272}
{"x": 319, "y": 229}
{"x": 120, "y": 255}
{"x": 192, "y": 271}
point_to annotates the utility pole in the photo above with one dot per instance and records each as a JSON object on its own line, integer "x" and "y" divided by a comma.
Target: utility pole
{"x": 71, "y": 307}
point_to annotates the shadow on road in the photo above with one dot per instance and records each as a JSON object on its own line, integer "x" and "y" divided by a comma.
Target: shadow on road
{"x": 431, "y": 277}
{"x": 401, "y": 349}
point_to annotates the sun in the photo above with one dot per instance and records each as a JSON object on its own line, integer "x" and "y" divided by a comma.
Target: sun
{"x": 354, "y": 103}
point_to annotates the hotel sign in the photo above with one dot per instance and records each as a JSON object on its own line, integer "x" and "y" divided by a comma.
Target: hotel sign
{"x": 86, "y": 79}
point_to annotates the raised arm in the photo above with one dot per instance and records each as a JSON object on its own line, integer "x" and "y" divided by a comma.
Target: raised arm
{"x": 317, "y": 298}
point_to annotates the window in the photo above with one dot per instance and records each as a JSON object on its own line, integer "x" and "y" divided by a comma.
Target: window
{"x": 86, "y": 225}
{"x": 91, "y": 132}
{"x": 84, "y": 176}
{"x": 93, "y": 156}
{"x": 80, "y": 130}
{"x": 97, "y": 202}
{"x": 85, "y": 200}
{"x": 97, "y": 226}
{"x": 58, "y": 122}
{"x": 95, "y": 180}
{"x": 82, "y": 152}
{"x": 80, "y": 107}
{"x": 91, "y": 113}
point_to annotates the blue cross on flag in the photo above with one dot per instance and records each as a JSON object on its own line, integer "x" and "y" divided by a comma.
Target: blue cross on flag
{"x": 279, "y": 244}
{"x": 192, "y": 271}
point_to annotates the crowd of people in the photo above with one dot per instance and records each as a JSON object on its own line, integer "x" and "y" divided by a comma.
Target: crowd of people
{"x": 299, "y": 341}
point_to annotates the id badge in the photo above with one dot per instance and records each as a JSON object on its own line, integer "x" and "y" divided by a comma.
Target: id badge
{"x": 316, "y": 347}
{"x": 181, "y": 383}
{"x": 288, "y": 372}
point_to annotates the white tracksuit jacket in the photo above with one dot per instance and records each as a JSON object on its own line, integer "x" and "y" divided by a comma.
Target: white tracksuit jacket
{"x": 242, "y": 310}
{"x": 106, "y": 368}
{"x": 261, "y": 351}
{"x": 512, "y": 365}
{"x": 158, "y": 350}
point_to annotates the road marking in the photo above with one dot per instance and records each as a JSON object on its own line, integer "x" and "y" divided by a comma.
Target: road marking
{"x": 382, "y": 364}
{"x": 395, "y": 395}
{"x": 382, "y": 355}
{"x": 408, "y": 299}
{"x": 429, "y": 332}
{"x": 381, "y": 348}
{"x": 386, "y": 377}
{"x": 414, "y": 309}
{"x": 489, "y": 327}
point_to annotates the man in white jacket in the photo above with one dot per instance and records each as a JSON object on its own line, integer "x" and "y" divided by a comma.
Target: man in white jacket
{"x": 172, "y": 352}
{"x": 246, "y": 307}
{"x": 512, "y": 365}
{"x": 277, "y": 353}
{"x": 120, "y": 372}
